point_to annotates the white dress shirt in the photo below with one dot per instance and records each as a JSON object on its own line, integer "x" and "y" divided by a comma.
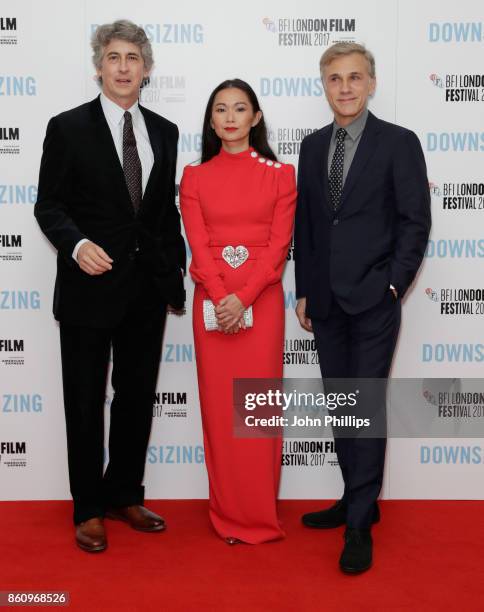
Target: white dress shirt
{"x": 115, "y": 118}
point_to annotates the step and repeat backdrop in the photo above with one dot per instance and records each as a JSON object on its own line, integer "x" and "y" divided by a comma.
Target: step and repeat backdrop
{"x": 429, "y": 78}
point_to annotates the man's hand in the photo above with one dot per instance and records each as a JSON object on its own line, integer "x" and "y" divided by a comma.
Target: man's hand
{"x": 93, "y": 259}
{"x": 301, "y": 315}
{"x": 229, "y": 312}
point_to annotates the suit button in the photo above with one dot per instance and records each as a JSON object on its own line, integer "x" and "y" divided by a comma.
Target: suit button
{"x": 335, "y": 221}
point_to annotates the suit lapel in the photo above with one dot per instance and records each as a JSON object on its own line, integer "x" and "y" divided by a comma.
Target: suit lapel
{"x": 365, "y": 150}
{"x": 108, "y": 154}
{"x": 323, "y": 166}
{"x": 156, "y": 144}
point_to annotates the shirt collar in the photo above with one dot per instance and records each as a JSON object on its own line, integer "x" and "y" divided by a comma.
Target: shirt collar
{"x": 355, "y": 128}
{"x": 114, "y": 113}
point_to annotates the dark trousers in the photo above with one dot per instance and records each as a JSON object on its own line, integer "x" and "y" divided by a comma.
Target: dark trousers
{"x": 359, "y": 346}
{"x": 136, "y": 352}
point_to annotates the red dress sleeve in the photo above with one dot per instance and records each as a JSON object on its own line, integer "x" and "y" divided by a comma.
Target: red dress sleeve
{"x": 203, "y": 268}
{"x": 270, "y": 265}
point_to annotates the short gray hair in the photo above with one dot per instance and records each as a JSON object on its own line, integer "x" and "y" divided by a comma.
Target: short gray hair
{"x": 122, "y": 30}
{"x": 346, "y": 48}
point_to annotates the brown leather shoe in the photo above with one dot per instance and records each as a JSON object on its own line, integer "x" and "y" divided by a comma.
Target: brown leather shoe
{"x": 90, "y": 535}
{"x": 138, "y": 517}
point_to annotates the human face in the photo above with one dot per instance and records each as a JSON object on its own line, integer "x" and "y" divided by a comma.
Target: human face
{"x": 122, "y": 72}
{"x": 232, "y": 118}
{"x": 347, "y": 84}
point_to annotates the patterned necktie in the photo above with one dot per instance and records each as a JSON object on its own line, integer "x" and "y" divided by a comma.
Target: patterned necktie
{"x": 336, "y": 170}
{"x": 131, "y": 162}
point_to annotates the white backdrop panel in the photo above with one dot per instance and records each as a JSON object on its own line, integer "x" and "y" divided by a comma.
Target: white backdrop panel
{"x": 46, "y": 68}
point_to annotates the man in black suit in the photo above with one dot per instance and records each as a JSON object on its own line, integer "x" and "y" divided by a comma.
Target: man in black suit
{"x": 362, "y": 225}
{"x": 106, "y": 201}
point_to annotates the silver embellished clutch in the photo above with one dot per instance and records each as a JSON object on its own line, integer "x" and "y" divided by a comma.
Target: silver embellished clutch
{"x": 210, "y": 320}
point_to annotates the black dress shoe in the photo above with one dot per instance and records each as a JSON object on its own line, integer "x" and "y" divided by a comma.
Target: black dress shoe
{"x": 335, "y": 516}
{"x": 357, "y": 552}
{"x": 332, "y": 517}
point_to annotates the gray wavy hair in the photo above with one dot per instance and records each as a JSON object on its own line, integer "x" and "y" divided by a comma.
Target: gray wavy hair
{"x": 346, "y": 48}
{"x": 122, "y": 29}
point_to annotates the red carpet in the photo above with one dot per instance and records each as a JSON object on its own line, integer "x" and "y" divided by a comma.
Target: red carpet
{"x": 428, "y": 556}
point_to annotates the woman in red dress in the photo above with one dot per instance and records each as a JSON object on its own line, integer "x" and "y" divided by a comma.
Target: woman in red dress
{"x": 239, "y": 196}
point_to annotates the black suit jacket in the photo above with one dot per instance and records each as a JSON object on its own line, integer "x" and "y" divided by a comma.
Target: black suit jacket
{"x": 82, "y": 193}
{"x": 378, "y": 235}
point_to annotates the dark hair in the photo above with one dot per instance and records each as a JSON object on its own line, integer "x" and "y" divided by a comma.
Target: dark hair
{"x": 211, "y": 143}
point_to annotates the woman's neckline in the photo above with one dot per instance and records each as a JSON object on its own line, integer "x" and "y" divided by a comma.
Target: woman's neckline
{"x": 236, "y": 156}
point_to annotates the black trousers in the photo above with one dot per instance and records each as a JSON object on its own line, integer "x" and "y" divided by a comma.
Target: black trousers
{"x": 136, "y": 352}
{"x": 359, "y": 346}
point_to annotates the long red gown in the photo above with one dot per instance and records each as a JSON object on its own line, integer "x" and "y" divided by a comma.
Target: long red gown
{"x": 239, "y": 199}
